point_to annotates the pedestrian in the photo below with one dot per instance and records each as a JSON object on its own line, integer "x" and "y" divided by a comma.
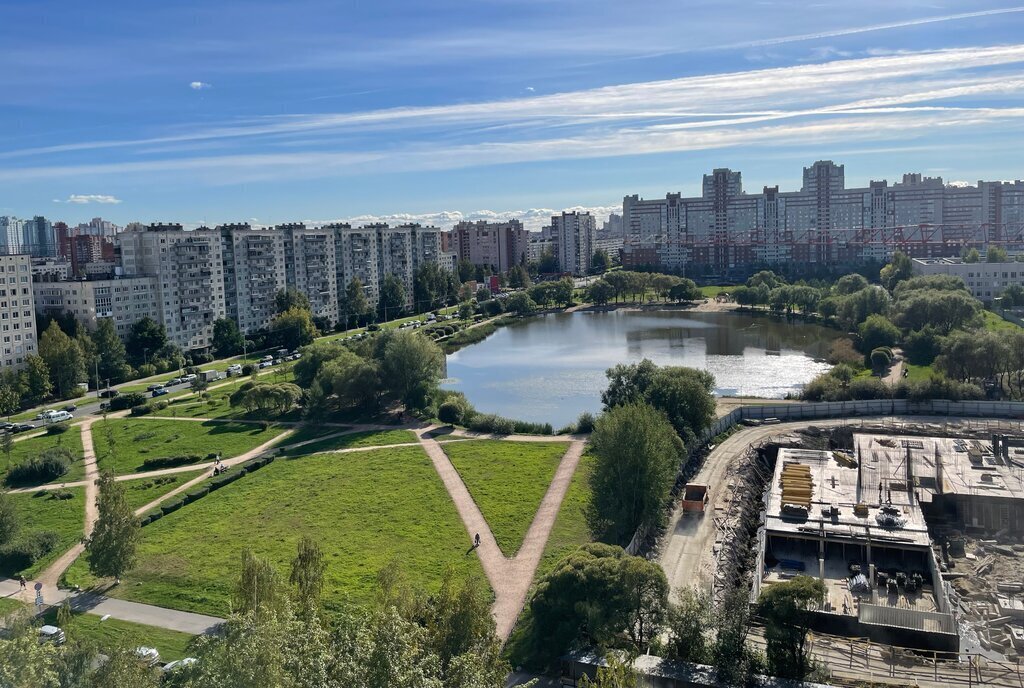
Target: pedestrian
{"x": 21, "y": 579}
{"x": 476, "y": 540}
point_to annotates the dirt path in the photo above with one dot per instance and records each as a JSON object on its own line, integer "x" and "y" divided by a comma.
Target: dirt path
{"x": 509, "y": 578}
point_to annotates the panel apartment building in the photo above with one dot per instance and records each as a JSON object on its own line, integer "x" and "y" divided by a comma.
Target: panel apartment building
{"x": 574, "y": 237}
{"x": 500, "y": 245}
{"x": 824, "y": 223}
{"x": 17, "y": 311}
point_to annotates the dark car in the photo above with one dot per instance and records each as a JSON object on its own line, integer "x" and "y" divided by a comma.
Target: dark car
{"x": 105, "y": 406}
{"x": 108, "y": 393}
{"x": 22, "y": 427}
{"x": 70, "y": 408}
{"x": 159, "y": 392}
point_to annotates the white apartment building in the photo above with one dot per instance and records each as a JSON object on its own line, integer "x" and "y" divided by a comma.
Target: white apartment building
{"x": 124, "y": 300}
{"x": 985, "y": 281}
{"x": 190, "y": 280}
{"x": 17, "y": 311}
{"x": 500, "y": 245}
{"x": 537, "y": 246}
{"x": 311, "y": 267}
{"x": 356, "y": 255}
{"x": 395, "y": 256}
{"x": 575, "y": 235}
{"x": 253, "y": 262}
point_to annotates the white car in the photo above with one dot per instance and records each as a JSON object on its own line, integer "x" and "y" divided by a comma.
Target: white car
{"x": 179, "y": 663}
{"x": 148, "y": 655}
{"x": 265, "y": 364}
{"x": 51, "y": 634}
{"x": 189, "y": 378}
{"x": 57, "y": 417}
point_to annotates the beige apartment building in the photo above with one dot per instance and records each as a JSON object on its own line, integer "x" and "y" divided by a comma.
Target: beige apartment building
{"x": 17, "y": 311}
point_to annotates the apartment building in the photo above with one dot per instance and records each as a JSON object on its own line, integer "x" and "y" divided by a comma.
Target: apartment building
{"x": 575, "y": 235}
{"x": 395, "y": 256}
{"x": 823, "y": 223}
{"x": 356, "y": 255}
{"x": 985, "y": 281}
{"x": 254, "y": 270}
{"x": 537, "y": 246}
{"x": 17, "y": 311}
{"x": 500, "y": 245}
{"x": 311, "y": 267}
{"x": 125, "y": 300}
{"x": 190, "y": 278}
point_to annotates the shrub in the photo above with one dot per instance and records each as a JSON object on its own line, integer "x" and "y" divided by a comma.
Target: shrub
{"x": 585, "y": 423}
{"x": 160, "y": 405}
{"x": 61, "y": 495}
{"x": 28, "y": 549}
{"x": 880, "y": 358}
{"x": 57, "y": 428}
{"x": 451, "y": 411}
{"x": 168, "y": 461}
{"x": 141, "y": 410}
{"x": 171, "y": 507}
{"x": 842, "y": 351}
{"x": 248, "y": 368}
{"x": 196, "y": 494}
{"x": 155, "y": 515}
{"x": 492, "y": 307}
{"x": 46, "y": 467}
{"x": 212, "y": 456}
{"x": 127, "y": 401}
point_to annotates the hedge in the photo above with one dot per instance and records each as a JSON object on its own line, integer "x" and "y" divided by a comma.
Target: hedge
{"x": 169, "y": 461}
{"x": 27, "y": 550}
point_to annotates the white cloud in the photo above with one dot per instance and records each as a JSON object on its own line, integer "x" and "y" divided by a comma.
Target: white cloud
{"x": 83, "y": 199}
{"x": 199, "y": 85}
{"x": 533, "y": 218}
{"x": 531, "y": 89}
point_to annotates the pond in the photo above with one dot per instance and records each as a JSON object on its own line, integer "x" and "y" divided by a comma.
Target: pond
{"x": 550, "y": 368}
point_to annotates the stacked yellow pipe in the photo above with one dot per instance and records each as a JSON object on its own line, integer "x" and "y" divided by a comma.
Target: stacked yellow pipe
{"x": 796, "y": 484}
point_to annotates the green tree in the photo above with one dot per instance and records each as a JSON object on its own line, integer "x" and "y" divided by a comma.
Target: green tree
{"x": 307, "y": 572}
{"x": 392, "y": 298}
{"x": 877, "y": 331}
{"x": 899, "y": 268}
{"x": 600, "y": 262}
{"x": 548, "y": 263}
{"x": 482, "y": 294}
{"x": 110, "y": 548}
{"x": 287, "y": 299}
{"x": 35, "y": 377}
{"x": 970, "y": 255}
{"x": 466, "y": 270}
{"x": 356, "y": 307}
{"x": 458, "y": 618}
{"x": 123, "y": 668}
{"x": 637, "y": 454}
{"x": 767, "y": 278}
{"x": 110, "y": 351}
{"x": 227, "y": 338}
{"x": 146, "y": 338}
{"x": 1013, "y": 295}
{"x": 686, "y": 397}
{"x": 689, "y": 621}
{"x": 520, "y": 303}
{"x": 64, "y": 360}
{"x": 258, "y": 588}
{"x": 685, "y": 290}
{"x": 562, "y": 291}
{"x": 600, "y": 292}
{"x": 465, "y": 310}
{"x": 945, "y": 310}
{"x": 10, "y": 524}
{"x": 616, "y": 673}
{"x": 314, "y": 357}
{"x": 787, "y": 609}
{"x": 293, "y": 328}
{"x": 849, "y": 284}
{"x": 430, "y": 286}
{"x": 10, "y": 396}
{"x": 996, "y": 254}
{"x": 354, "y": 380}
{"x": 411, "y": 366}
{"x": 730, "y": 655}
{"x": 518, "y": 277}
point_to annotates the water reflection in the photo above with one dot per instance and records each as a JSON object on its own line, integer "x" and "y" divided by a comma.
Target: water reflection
{"x": 551, "y": 368}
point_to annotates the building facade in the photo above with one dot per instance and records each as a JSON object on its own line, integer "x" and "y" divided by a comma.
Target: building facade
{"x": 985, "y": 281}
{"x": 125, "y": 301}
{"x": 254, "y": 271}
{"x": 575, "y": 235}
{"x": 824, "y": 223}
{"x": 500, "y": 245}
{"x": 17, "y": 311}
{"x": 311, "y": 268}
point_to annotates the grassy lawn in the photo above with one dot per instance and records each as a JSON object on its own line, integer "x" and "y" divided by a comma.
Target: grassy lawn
{"x": 995, "y": 323}
{"x": 113, "y": 633}
{"x": 570, "y": 529}
{"x": 370, "y": 438}
{"x": 918, "y": 372}
{"x": 507, "y": 481}
{"x": 39, "y": 511}
{"x": 144, "y": 490}
{"x": 27, "y": 448}
{"x": 712, "y": 291}
{"x": 137, "y": 439}
{"x": 10, "y": 604}
{"x": 218, "y": 405}
{"x": 366, "y": 509}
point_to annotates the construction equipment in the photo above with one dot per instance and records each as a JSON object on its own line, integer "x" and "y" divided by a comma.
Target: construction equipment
{"x": 695, "y": 498}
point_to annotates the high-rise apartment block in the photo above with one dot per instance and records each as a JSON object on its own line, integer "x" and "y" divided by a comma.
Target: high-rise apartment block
{"x": 574, "y": 236}
{"x": 17, "y": 311}
{"x": 34, "y": 237}
{"x": 500, "y": 245}
{"x": 254, "y": 271}
{"x": 823, "y": 224}
{"x": 125, "y": 301}
{"x": 310, "y": 267}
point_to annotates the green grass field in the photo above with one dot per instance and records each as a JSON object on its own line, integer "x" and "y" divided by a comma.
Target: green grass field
{"x": 367, "y": 510}
{"x": 918, "y": 372}
{"x": 27, "y": 448}
{"x": 507, "y": 481}
{"x": 218, "y": 405}
{"x": 144, "y": 490}
{"x": 354, "y": 440}
{"x": 9, "y": 605}
{"x": 114, "y": 633}
{"x": 39, "y": 511}
{"x": 995, "y": 323}
{"x": 137, "y": 439}
{"x": 570, "y": 529}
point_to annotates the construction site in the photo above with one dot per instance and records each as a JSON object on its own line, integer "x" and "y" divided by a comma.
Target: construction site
{"x": 915, "y": 527}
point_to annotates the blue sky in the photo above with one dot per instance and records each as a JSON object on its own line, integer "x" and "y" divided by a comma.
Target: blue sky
{"x": 278, "y": 111}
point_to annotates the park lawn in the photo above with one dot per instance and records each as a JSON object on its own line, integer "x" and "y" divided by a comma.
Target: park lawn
{"x": 39, "y": 511}
{"x": 995, "y": 323}
{"x": 9, "y": 605}
{"x": 311, "y": 431}
{"x": 367, "y": 510}
{"x": 219, "y": 405}
{"x": 137, "y": 439}
{"x": 113, "y": 633}
{"x": 918, "y": 372}
{"x": 712, "y": 291}
{"x": 27, "y": 448}
{"x": 507, "y": 481}
{"x": 354, "y": 440}
{"x": 570, "y": 529}
{"x": 141, "y": 492}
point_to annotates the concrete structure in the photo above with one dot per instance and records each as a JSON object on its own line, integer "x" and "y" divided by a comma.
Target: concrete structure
{"x": 311, "y": 268}
{"x": 985, "y": 281}
{"x": 50, "y": 269}
{"x": 190, "y": 278}
{"x": 575, "y": 235}
{"x": 125, "y": 301}
{"x": 253, "y": 263}
{"x": 500, "y": 245}
{"x": 356, "y": 256}
{"x": 17, "y": 311}
{"x": 537, "y": 246}
{"x": 823, "y": 224}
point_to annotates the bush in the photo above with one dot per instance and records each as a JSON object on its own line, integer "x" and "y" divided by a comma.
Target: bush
{"x": 46, "y": 467}
{"x": 127, "y": 401}
{"x": 212, "y": 456}
{"x": 141, "y": 410}
{"x": 27, "y": 550}
{"x": 196, "y": 494}
{"x": 155, "y": 515}
{"x": 843, "y": 351}
{"x": 451, "y": 411}
{"x": 57, "y": 428}
{"x": 248, "y": 368}
{"x": 168, "y": 461}
{"x": 492, "y": 307}
{"x": 881, "y": 358}
{"x": 498, "y": 425}
{"x": 159, "y": 405}
{"x": 61, "y": 495}
{"x": 171, "y": 507}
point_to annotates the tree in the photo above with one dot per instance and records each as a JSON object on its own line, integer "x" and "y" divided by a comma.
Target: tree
{"x": 849, "y": 284}
{"x": 896, "y": 270}
{"x": 562, "y": 291}
{"x": 970, "y": 255}
{"x": 465, "y": 310}
{"x": 637, "y": 454}
{"x": 355, "y": 381}
{"x": 548, "y": 263}
{"x": 411, "y": 366}
{"x": 458, "y": 618}
{"x": 1013, "y": 295}
{"x": 146, "y": 337}
{"x": 615, "y": 674}
{"x": 308, "y": 570}
{"x": 518, "y": 277}
{"x": 64, "y": 360}
{"x": 35, "y": 377}
{"x": 877, "y": 331}
{"x": 293, "y": 328}
{"x": 520, "y": 303}
{"x": 123, "y": 668}
{"x": 110, "y": 352}
{"x": 287, "y": 299}
{"x": 686, "y": 397}
{"x": 257, "y": 590}
{"x": 10, "y": 524}
{"x": 856, "y": 307}
{"x": 392, "y": 298}
{"x": 600, "y": 262}
{"x": 111, "y": 546}
{"x": 356, "y": 307}
{"x": 730, "y": 655}
{"x": 688, "y": 622}
{"x": 599, "y": 292}
{"x": 787, "y": 609}
{"x": 996, "y": 254}
{"x": 466, "y": 270}
{"x": 227, "y": 338}
{"x": 430, "y": 286}
{"x": 685, "y": 290}
{"x": 766, "y": 277}
{"x": 945, "y": 310}
{"x": 482, "y": 294}
{"x": 10, "y": 397}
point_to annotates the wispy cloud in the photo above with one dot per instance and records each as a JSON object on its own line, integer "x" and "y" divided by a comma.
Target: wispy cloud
{"x": 533, "y": 219}
{"x": 84, "y": 199}
{"x": 199, "y": 85}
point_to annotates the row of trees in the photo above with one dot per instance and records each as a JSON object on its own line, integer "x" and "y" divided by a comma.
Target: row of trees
{"x": 622, "y": 284}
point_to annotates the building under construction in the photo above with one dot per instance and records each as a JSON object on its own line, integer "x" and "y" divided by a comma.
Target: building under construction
{"x": 824, "y": 224}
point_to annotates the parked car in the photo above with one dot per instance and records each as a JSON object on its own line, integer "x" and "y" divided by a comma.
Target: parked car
{"x": 178, "y": 663}
{"x": 104, "y": 406}
{"x": 22, "y": 427}
{"x": 51, "y": 634}
{"x": 70, "y": 408}
{"x": 108, "y": 393}
{"x": 147, "y": 655}
{"x": 58, "y": 417}
{"x": 189, "y": 378}
{"x": 155, "y": 385}
{"x": 278, "y": 361}
{"x": 159, "y": 392}
{"x": 173, "y": 381}
{"x": 266, "y": 364}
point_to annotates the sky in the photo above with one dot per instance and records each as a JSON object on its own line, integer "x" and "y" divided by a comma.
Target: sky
{"x": 268, "y": 112}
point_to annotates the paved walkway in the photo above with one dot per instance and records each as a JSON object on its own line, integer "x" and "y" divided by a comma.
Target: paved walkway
{"x": 509, "y": 578}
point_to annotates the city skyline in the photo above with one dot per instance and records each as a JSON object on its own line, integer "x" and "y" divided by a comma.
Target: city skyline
{"x": 322, "y": 114}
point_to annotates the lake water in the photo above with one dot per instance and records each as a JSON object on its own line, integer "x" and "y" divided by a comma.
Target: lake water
{"x": 552, "y": 367}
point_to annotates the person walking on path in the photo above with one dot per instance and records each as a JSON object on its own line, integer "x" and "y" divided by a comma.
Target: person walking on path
{"x": 24, "y": 583}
